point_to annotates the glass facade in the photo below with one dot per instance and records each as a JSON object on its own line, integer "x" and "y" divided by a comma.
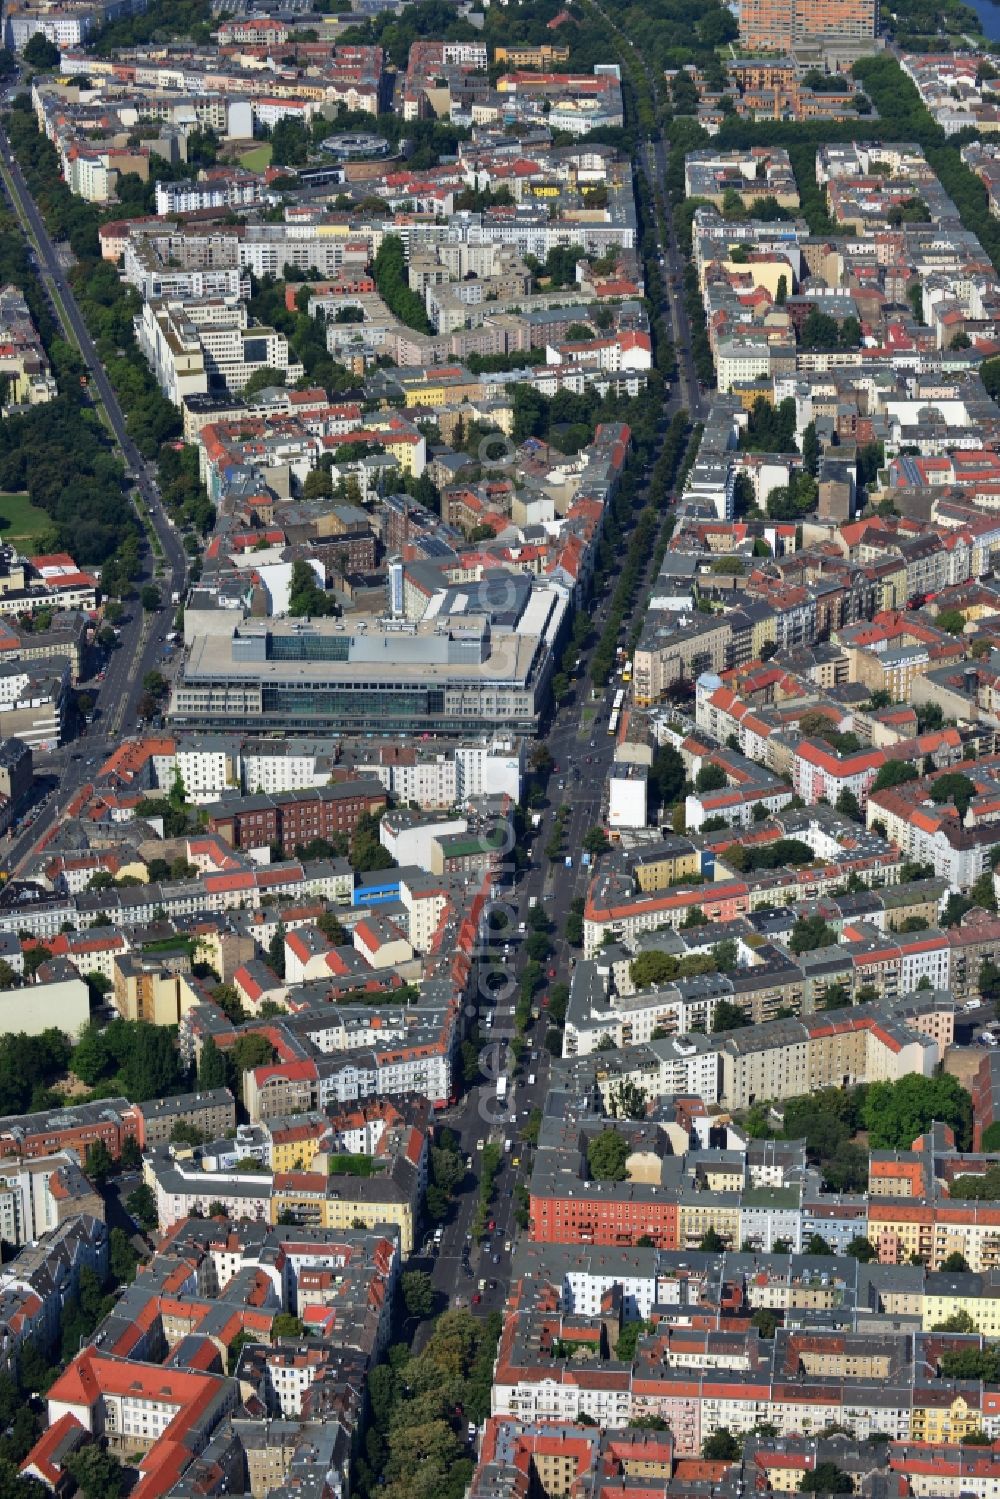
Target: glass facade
{"x": 308, "y": 647}
{"x": 345, "y": 704}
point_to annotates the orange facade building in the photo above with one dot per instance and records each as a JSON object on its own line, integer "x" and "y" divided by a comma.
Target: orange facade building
{"x": 778, "y": 25}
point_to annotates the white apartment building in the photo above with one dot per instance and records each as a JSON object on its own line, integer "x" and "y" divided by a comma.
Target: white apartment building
{"x": 607, "y": 1403}
{"x": 741, "y": 361}
{"x": 90, "y": 176}
{"x": 266, "y": 769}
{"x": 432, "y": 784}
{"x": 410, "y": 841}
{"x": 583, "y": 1286}
{"x": 171, "y": 344}
{"x": 27, "y": 1207}
{"x": 496, "y": 769}
{"x": 270, "y": 111}
{"x": 353, "y": 1080}
{"x": 63, "y": 28}
{"x": 453, "y": 777}
{"x": 736, "y": 805}
{"x": 684, "y": 1066}
{"x": 770, "y": 1214}
{"x": 181, "y": 1189}
{"x": 631, "y": 1021}
{"x": 307, "y": 247}
{"x": 194, "y": 345}
{"x": 924, "y": 839}
{"x": 65, "y": 25}
{"x": 409, "y": 1071}
{"x": 425, "y": 905}
{"x": 360, "y": 1138}
{"x": 190, "y": 196}
{"x": 383, "y": 1060}
{"x": 207, "y": 769}
{"x": 234, "y": 352}
{"x": 925, "y": 960}
{"x": 465, "y": 54}
{"x": 288, "y": 1376}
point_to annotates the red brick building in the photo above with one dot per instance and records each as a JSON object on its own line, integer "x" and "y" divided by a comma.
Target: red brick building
{"x": 289, "y": 818}
{"x": 583, "y": 1214}
{"x": 985, "y": 1098}
{"x": 75, "y": 1127}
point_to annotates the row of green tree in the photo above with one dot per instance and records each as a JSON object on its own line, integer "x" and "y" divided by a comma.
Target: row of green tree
{"x": 420, "y": 1404}
{"x": 701, "y": 348}
{"x": 655, "y": 967}
{"x": 93, "y": 521}
{"x": 59, "y": 453}
{"x": 782, "y": 852}
{"x": 892, "y": 1114}
{"x": 651, "y": 523}
{"x": 393, "y": 284}
{"x": 160, "y": 21}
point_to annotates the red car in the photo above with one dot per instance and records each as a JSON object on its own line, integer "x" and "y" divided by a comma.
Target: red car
{"x": 552, "y": 973}
{"x": 476, "y": 1299}
{"x": 491, "y": 1225}
{"x": 545, "y": 1001}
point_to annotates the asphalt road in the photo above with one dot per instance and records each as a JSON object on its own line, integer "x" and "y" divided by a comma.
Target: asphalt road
{"x": 578, "y": 735}
{"x": 142, "y": 636}
{"x": 582, "y": 751}
{"x": 654, "y": 159}
{"x": 672, "y": 270}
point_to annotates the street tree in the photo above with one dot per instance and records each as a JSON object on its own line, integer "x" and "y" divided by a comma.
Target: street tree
{"x": 418, "y": 1293}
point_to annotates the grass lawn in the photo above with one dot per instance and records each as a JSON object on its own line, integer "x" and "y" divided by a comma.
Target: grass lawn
{"x": 352, "y": 1165}
{"x": 20, "y": 520}
{"x": 258, "y": 158}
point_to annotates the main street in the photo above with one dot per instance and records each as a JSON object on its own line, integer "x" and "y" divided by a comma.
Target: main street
{"x": 654, "y": 152}
{"x": 142, "y": 635}
{"x": 672, "y": 271}
{"x": 582, "y": 752}
{"x": 479, "y": 1117}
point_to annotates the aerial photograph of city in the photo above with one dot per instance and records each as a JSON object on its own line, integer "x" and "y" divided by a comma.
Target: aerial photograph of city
{"x": 499, "y": 749}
